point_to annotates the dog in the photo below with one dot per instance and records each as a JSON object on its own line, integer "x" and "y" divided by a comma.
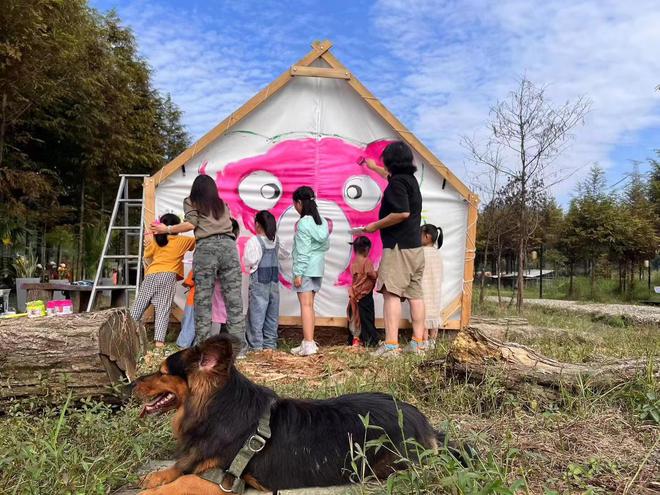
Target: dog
{"x": 217, "y": 409}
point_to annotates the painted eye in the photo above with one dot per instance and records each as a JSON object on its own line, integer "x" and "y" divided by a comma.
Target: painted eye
{"x": 361, "y": 193}
{"x": 260, "y": 190}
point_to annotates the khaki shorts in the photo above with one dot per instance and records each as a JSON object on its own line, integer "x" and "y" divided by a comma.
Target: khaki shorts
{"x": 400, "y": 272}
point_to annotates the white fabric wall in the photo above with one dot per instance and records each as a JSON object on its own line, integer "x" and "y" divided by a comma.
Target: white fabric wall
{"x": 318, "y": 108}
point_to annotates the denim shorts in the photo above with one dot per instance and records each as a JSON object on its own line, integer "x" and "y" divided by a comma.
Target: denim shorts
{"x": 309, "y": 284}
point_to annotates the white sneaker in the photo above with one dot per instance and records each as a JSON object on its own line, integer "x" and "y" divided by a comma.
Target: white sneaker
{"x": 296, "y": 350}
{"x": 307, "y": 348}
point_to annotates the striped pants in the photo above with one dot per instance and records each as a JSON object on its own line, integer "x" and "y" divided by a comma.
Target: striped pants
{"x": 157, "y": 289}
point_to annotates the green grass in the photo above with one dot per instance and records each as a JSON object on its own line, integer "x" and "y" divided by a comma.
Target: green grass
{"x": 585, "y": 441}
{"x": 605, "y": 290}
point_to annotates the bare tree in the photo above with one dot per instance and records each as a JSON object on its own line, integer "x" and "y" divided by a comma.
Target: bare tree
{"x": 526, "y": 134}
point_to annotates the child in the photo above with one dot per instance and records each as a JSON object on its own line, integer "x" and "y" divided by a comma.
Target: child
{"x": 432, "y": 283}
{"x": 310, "y": 244}
{"x": 159, "y": 284}
{"x": 218, "y": 312}
{"x": 261, "y": 260}
{"x": 361, "y": 318}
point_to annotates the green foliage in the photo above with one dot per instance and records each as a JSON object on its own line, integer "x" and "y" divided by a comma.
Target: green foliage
{"x": 70, "y": 450}
{"x": 428, "y": 471}
{"x": 25, "y": 265}
{"x": 78, "y": 109}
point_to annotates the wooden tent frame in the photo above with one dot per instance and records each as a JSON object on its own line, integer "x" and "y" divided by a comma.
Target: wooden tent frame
{"x": 303, "y": 68}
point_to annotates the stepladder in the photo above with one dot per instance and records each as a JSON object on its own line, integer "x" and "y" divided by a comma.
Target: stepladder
{"x": 119, "y": 270}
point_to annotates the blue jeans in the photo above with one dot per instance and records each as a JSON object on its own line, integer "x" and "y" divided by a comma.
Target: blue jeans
{"x": 263, "y": 314}
{"x": 187, "y": 334}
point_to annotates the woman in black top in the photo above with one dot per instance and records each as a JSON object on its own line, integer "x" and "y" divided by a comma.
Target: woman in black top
{"x": 402, "y": 265}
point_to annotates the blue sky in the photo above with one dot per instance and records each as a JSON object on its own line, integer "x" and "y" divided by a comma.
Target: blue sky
{"x": 438, "y": 65}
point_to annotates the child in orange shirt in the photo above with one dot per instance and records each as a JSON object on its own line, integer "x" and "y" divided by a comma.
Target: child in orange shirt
{"x": 159, "y": 284}
{"x": 219, "y": 311}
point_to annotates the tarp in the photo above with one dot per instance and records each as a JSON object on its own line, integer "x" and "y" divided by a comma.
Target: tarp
{"x": 311, "y": 133}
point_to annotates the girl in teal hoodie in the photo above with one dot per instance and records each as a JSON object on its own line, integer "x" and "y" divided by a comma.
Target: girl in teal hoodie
{"x": 310, "y": 244}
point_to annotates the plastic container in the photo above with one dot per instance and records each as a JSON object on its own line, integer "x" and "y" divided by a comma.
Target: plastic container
{"x": 59, "y": 308}
{"x": 65, "y": 307}
{"x": 51, "y": 308}
{"x": 35, "y": 309}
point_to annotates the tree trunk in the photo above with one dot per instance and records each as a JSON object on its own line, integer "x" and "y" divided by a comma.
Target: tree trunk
{"x": 475, "y": 355}
{"x": 3, "y": 126}
{"x": 592, "y": 280}
{"x": 499, "y": 279}
{"x": 570, "y": 281}
{"x": 521, "y": 278}
{"x": 483, "y": 274}
{"x": 81, "y": 232}
{"x": 84, "y": 354}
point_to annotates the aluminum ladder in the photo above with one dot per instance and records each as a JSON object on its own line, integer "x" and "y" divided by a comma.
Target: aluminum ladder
{"x": 127, "y": 259}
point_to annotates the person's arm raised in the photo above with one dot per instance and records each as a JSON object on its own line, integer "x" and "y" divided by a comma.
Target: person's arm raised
{"x": 159, "y": 228}
{"x": 374, "y": 167}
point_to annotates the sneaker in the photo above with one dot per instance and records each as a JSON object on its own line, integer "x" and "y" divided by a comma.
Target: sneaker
{"x": 356, "y": 342}
{"x": 308, "y": 348}
{"x": 414, "y": 347}
{"x": 241, "y": 355}
{"x": 296, "y": 350}
{"x": 385, "y": 350}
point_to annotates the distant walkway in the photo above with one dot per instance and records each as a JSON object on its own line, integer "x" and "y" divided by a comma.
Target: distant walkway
{"x": 648, "y": 315}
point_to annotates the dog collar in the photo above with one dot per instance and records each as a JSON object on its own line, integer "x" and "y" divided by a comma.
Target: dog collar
{"x": 253, "y": 445}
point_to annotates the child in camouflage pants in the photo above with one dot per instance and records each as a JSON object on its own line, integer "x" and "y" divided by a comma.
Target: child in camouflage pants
{"x": 217, "y": 257}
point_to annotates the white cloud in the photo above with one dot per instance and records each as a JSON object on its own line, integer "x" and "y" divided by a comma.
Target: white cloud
{"x": 211, "y": 65}
{"x": 461, "y": 56}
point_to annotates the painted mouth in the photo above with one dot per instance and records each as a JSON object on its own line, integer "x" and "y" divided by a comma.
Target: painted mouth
{"x": 160, "y": 404}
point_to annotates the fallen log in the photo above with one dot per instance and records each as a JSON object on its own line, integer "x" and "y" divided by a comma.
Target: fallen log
{"x": 474, "y": 355}
{"x": 83, "y": 354}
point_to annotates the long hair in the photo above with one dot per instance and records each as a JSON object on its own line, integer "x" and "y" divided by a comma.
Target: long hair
{"x": 204, "y": 197}
{"x": 267, "y": 222}
{"x": 168, "y": 219}
{"x": 305, "y": 195}
{"x": 398, "y": 158}
{"x": 434, "y": 232}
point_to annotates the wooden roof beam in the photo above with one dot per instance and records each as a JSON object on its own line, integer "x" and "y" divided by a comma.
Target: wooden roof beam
{"x": 298, "y": 70}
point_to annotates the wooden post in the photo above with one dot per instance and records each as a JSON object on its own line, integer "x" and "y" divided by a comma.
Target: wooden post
{"x": 470, "y": 251}
{"x": 149, "y": 201}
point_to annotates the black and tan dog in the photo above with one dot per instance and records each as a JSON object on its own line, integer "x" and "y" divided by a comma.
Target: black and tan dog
{"x": 218, "y": 409}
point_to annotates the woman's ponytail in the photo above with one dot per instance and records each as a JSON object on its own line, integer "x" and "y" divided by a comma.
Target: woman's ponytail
{"x": 435, "y": 233}
{"x": 305, "y": 195}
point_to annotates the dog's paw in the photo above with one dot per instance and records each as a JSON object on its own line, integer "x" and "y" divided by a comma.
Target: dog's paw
{"x": 158, "y": 478}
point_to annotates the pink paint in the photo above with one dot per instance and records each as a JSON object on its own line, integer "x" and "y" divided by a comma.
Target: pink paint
{"x": 324, "y": 164}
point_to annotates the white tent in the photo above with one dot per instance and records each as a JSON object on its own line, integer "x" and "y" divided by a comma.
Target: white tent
{"x": 308, "y": 127}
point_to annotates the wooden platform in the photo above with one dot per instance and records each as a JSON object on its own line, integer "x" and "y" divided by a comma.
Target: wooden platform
{"x": 330, "y": 490}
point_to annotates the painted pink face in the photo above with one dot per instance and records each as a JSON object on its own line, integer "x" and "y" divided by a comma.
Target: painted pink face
{"x": 348, "y": 194}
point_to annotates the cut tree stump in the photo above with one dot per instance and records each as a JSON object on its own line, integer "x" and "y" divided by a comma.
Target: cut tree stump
{"x": 83, "y": 354}
{"x": 474, "y": 355}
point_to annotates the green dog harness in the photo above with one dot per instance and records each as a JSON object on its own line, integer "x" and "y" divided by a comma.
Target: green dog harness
{"x": 252, "y": 446}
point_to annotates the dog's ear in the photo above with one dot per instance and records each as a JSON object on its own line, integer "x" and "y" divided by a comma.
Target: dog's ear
{"x": 216, "y": 352}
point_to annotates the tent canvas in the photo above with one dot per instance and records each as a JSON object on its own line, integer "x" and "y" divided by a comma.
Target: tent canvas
{"x": 309, "y": 127}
